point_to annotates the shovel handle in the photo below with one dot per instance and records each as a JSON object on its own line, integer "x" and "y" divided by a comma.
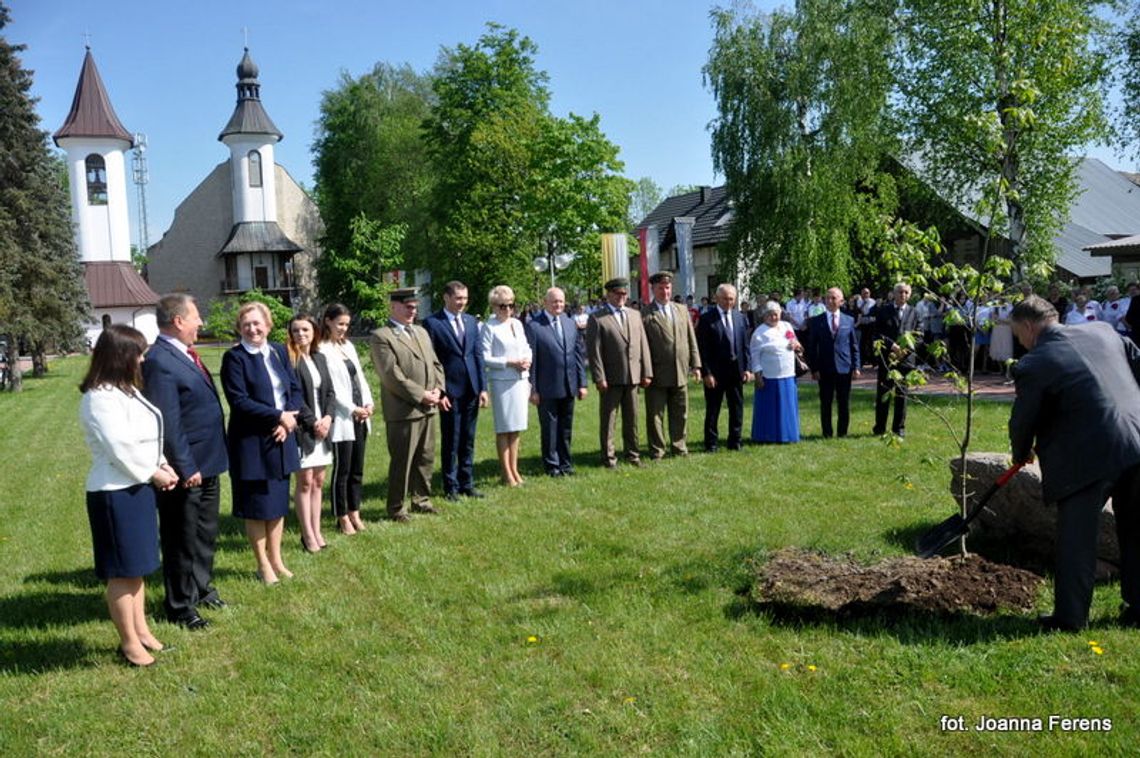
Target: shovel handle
{"x": 1009, "y": 474}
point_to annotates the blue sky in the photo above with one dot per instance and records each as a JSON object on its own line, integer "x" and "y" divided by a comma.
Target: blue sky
{"x": 170, "y": 70}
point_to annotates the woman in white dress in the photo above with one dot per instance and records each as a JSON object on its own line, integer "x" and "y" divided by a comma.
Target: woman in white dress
{"x": 506, "y": 355}
{"x": 1001, "y": 339}
{"x": 313, "y": 426}
{"x": 352, "y": 411}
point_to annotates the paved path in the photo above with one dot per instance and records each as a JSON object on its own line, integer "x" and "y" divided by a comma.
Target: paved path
{"x": 988, "y": 386}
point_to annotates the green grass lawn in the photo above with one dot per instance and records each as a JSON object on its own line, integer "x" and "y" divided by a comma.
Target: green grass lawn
{"x": 596, "y": 615}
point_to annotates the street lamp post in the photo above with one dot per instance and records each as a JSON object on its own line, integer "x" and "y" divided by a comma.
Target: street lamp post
{"x": 552, "y": 261}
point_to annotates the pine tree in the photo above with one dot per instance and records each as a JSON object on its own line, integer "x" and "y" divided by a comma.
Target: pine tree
{"x": 43, "y": 300}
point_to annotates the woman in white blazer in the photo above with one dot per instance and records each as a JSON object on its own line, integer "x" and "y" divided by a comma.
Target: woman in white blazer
{"x": 352, "y": 410}
{"x": 507, "y": 357}
{"x": 124, "y": 433}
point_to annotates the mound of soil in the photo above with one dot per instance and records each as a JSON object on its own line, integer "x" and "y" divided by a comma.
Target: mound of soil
{"x": 941, "y": 586}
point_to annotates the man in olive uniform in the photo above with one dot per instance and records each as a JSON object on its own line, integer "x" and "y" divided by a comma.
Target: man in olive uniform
{"x": 619, "y": 362}
{"x": 411, "y": 393}
{"x": 674, "y": 356}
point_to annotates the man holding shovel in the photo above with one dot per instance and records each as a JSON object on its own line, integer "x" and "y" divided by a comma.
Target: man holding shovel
{"x": 1078, "y": 399}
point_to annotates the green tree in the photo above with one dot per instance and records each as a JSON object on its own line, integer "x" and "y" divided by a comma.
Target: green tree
{"x": 1129, "y": 124}
{"x": 800, "y": 134}
{"x": 646, "y": 196}
{"x": 511, "y": 179}
{"x": 43, "y": 300}
{"x": 1004, "y": 90}
{"x": 370, "y": 160}
{"x": 373, "y": 252}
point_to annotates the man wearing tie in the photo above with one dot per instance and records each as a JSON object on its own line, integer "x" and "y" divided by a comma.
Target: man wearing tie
{"x": 557, "y": 377}
{"x": 833, "y": 354}
{"x": 722, "y": 338}
{"x": 411, "y": 392}
{"x": 455, "y": 339}
{"x": 178, "y": 383}
{"x": 674, "y": 355}
{"x": 619, "y": 361}
{"x": 894, "y": 320}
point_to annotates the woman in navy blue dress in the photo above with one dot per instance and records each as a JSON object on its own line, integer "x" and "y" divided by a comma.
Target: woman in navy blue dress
{"x": 124, "y": 433}
{"x": 264, "y": 399}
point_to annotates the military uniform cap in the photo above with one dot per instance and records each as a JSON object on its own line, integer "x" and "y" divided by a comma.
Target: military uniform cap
{"x": 661, "y": 276}
{"x": 618, "y": 283}
{"x": 404, "y": 295}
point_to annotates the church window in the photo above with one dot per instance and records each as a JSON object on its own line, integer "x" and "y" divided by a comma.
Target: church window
{"x": 96, "y": 180}
{"x": 254, "y": 168}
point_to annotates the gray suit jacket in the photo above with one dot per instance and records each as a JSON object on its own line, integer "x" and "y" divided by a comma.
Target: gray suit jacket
{"x": 1078, "y": 396}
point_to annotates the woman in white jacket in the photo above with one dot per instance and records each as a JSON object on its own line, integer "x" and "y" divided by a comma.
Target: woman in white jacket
{"x": 507, "y": 357}
{"x": 352, "y": 405}
{"x": 124, "y": 433}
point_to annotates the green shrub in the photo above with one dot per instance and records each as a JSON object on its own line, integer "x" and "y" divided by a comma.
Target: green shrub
{"x": 221, "y": 324}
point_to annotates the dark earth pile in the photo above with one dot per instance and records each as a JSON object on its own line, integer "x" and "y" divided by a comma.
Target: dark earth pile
{"x": 801, "y": 579}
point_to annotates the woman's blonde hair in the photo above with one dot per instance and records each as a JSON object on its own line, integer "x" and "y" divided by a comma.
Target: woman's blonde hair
{"x": 254, "y": 306}
{"x": 500, "y": 294}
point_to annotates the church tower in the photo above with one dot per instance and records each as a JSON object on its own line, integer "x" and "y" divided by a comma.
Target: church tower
{"x": 257, "y": 253}
{"x": 96, "y": 141}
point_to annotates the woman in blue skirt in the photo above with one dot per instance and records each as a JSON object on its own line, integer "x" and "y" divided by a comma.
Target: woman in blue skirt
{"x": 124, "y": 433}
{"x": 265, "y": 397}
{"x": 772, "y": 358}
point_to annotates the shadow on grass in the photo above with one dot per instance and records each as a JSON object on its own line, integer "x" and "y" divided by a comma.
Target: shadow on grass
{"x": 25, "y": 657}
{"x": 35, "y": 610}
{"x": 78, "y": 578}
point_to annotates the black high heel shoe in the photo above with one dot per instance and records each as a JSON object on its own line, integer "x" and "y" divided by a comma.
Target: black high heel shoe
{"x": 308, "y": 549}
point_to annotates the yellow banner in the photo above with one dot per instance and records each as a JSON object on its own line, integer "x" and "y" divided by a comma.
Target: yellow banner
{"x": 615, "y": 256}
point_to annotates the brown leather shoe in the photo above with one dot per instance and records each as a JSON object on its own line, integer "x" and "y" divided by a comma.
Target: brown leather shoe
{"x": 424, "y": 509}
{"x": 400, "y": 518}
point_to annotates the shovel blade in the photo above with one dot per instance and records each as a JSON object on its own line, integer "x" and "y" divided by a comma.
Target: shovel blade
{"x": 931, "y": 543}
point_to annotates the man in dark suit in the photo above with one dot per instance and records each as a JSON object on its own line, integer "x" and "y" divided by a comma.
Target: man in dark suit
{"x": 557, "y": 377}
{"x": 412, "y": 390}
{"x": 178, "y": 383}
{"x": 619, "y": 362}
{"x": 455, "y": 338}
{"x": 722, "y": 338}
{"x": 1078, "y": 400}
{"x": 833, "y": 354}
{"x": 893, "y": 321}
{"x": 674, "y": 353}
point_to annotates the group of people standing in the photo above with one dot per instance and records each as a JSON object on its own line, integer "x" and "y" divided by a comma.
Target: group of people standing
{"x": 152, "y": 415}
{"x": 154, "y": 422}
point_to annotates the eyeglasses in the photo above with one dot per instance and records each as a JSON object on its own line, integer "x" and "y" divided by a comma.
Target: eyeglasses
{"x": 504, "y": 306}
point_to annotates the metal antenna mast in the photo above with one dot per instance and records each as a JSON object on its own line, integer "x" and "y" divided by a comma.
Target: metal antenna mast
{"x": 141, "y": 176}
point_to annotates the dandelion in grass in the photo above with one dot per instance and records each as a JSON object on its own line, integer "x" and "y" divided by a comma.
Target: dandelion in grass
{"x": 1094, "y": 643}
{"x": 785, "y": 666}
{"x": 909, "y": 485}
{"x": 532, "y": 640}
{"x": 630, "y": 700}
{"x": 811, "y": 667}
{"x": 1097, "y": 649}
